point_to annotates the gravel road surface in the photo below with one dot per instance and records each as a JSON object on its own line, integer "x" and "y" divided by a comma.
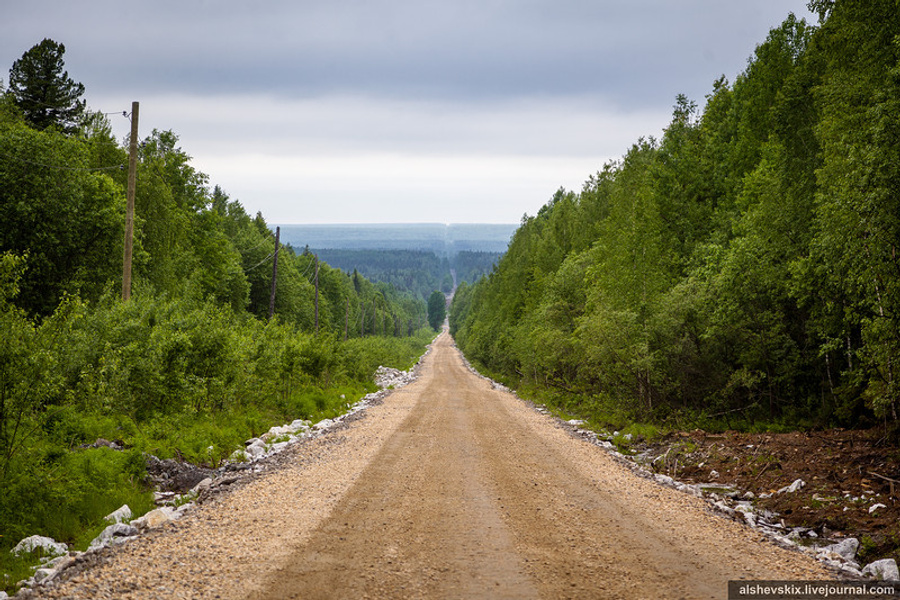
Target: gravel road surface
{"x": 449, "y": 489}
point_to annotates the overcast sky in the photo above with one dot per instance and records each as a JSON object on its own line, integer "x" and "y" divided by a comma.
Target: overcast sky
{"x": 343, "y": 111}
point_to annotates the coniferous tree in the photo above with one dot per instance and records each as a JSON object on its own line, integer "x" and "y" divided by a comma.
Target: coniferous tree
{"x": 437, "y": 309}
{"x": 43, "y": 90}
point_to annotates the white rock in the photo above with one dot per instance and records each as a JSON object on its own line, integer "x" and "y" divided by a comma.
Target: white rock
{"x": 43, "y": 573}
{"x": 3, "y": 595}
{"x": 794, "y": 487}
{"x": 280, "y": 446}
{"x": 724, "y": 507}
{"x": 299, "y": 424}
{"x": 664, "y": 479}
{"x": 162, "y": 496}
{"x": 116, "y": 530}
{"x": 52, "y": 569}
{"x": 885, "y": 569}
{"x": 323, "y": 424}
{"x": 875, "y": 507}
{"x": 692, "y": 489}
{"x": 35, "y": 542}
{"x": 202, "y": 486}
{"x": 846, "y": 549}
{"x": 256, "y": 449}
{"x": 121, "y": 515}
{"x": 155, "y": 518}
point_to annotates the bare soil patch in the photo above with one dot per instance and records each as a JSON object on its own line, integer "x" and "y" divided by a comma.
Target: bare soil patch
{"x": 846, "y": 473}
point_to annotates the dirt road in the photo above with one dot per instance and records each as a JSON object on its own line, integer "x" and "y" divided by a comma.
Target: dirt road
{"x": 450, "y": 489}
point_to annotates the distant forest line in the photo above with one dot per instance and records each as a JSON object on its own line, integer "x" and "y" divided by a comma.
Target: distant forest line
{"x": 417, "y": 271}
{"x": 444, "y": 240}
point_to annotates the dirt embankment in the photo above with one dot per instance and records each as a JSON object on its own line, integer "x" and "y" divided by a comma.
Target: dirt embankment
{"x": 852, "y": 479}
{"x": 449, "y": 489}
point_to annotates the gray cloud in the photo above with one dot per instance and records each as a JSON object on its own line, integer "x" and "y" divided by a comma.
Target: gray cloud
{"x": 639, "y": 52}
{"x": 470, "y": 103}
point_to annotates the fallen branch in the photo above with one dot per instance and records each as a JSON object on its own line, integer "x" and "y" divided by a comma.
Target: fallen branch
{"x": 888, "y": 479}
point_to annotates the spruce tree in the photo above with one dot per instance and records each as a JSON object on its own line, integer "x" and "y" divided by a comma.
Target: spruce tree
{"x": 43, "y": 90}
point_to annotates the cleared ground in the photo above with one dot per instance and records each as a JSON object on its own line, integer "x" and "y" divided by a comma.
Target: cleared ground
{"x": 450, "y": 489}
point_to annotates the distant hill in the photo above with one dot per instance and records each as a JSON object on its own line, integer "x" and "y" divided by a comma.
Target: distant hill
{"x": 418, "y": 258}
{"x": 446, "y": 241}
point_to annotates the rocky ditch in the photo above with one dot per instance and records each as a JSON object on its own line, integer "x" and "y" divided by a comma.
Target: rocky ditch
{"x": 179, "y": 486}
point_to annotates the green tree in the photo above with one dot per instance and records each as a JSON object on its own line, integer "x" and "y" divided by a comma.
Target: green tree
{"x": 437, "y": 309}
{"x": 67, "y": 218}
{"x": 43, "y": 90}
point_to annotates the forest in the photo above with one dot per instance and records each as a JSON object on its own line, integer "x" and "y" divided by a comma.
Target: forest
{"x": 417, "y": 271}
{"x": 196, "y": 362}
{"x": 740, "y": 271}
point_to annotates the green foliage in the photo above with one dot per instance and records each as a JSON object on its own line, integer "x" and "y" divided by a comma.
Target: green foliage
{"x": 470, "y": 265}
{"x": 68, "y": 220}
{"x": 416, "y": 271}
{"x": 437, "y": 309}
{"x": 44, "y": 92}
{"x": 740, "y": 270}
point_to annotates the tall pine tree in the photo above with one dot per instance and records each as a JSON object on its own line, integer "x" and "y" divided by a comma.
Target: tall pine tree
{"x": 43, "y": 90}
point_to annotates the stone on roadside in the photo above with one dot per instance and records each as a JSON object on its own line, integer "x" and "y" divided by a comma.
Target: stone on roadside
{"x": 664, "y": 479}
{"x": 116, "y": 530}
{"x": 155, "y": 518}
{"x": 323, "y": 424}
{"x": 724, "y": 508}
{"x": 299, "y": 424}
{"x": 885, "y": 570}
{"x": 40, "y": 542}
{"x": 121, "y": 515}
{"x": 202, "y": 486}
{"x": 256, "y": 449}
{"x": 846, "y": 549}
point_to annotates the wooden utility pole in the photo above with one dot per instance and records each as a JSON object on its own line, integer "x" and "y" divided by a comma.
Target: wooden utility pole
{"x": 274, "y": 273}
{"x": 317, "y": 292}
{"x": 129, "y": 207}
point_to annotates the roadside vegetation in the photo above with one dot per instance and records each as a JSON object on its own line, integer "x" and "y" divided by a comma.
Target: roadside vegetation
{"x": 742, "y": 271}
{"x": 195, "y": 363}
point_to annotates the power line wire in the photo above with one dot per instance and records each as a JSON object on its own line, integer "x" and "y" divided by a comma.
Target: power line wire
{"x": 259, "y": 263}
